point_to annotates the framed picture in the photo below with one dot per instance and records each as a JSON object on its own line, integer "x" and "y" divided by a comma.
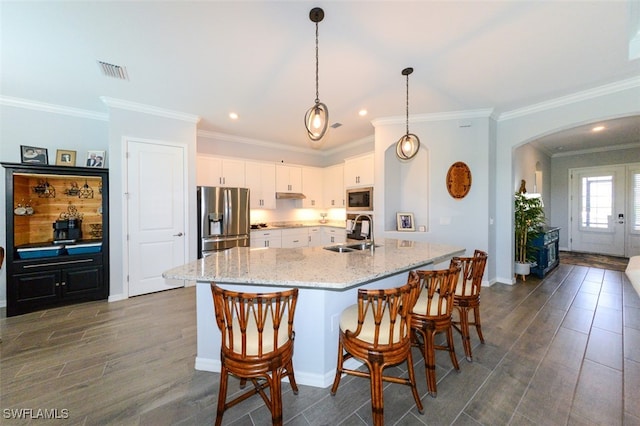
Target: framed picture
{"x": 65, "y": 157}
{"x": 96, "y": 159}
{"x": 405, "y": 222}
{"x": 33, "y": 155}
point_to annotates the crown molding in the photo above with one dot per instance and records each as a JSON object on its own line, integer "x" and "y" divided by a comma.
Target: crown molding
{"x": 596, "y": 150}
{"x": 225, "y": 137}
{"x": 149, "y": 109}
{"x": 596, "y": 92}
{"x": 51, "y": 108}
{"x": 438, "y": 116}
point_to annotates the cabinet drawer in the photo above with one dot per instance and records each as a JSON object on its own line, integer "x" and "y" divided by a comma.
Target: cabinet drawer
{"x": 271, "y": 233}
{"x": 56, "y": 263}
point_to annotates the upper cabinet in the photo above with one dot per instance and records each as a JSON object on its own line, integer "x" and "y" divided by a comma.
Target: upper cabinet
{"x": 312, "y": 178}
{"x": 288, "y": 178}
{"x": 358, "y": 171}
{"x": 213, "y": 171}
{"x": 260, "y": 178}
{"x": 334, "y": 186}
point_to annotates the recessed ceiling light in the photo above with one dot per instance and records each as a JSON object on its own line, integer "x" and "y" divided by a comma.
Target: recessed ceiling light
{"x": 362, "y": 112}
{"x": 598, "y": 129}
{"x": 233, "y": 116}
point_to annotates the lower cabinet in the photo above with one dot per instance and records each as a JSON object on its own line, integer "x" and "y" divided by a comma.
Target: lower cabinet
{"x": 55, "y": 281}
{"x": 295, "y": 237}
{"x": 271, "y": 238}
{"x": 333, "y": 235}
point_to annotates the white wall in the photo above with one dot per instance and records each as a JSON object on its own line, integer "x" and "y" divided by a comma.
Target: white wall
{"x": 528, "y": 160}
{"x": 129, "y": 124}
{"x": 419, "y": 185}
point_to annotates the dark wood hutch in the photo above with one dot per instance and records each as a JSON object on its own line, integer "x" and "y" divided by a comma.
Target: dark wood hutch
{"x": 57, "y": 236}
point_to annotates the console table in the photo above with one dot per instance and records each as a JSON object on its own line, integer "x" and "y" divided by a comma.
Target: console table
{"x": 546, "y": 251}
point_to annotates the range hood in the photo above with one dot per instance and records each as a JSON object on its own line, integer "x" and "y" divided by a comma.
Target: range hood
{"x": 290, "y": 196}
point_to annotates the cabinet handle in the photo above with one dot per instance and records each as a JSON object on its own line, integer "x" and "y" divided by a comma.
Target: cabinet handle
{"x": 179, "y": 234}
{"x": 58, "y": 263}
{"x": 64, "y": 283}
{"x": 57, "y": 284}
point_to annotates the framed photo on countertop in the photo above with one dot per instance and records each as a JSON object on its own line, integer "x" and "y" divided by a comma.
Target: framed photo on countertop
{"x": 33, "y": 155}
{"x": 96, "y": 159}
{"x": 405, "y": 222}
{"x": 65, "y": 157}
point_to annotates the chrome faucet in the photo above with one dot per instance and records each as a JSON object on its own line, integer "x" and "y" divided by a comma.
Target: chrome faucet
{"x": 371, "y": 239}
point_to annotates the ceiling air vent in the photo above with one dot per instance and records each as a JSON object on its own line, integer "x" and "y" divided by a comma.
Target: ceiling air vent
{"x": 115, "y": 71}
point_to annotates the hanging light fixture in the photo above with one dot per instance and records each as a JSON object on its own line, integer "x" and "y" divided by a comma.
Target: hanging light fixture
{"x": 317, "y": 117}
{"x": 408, "y": 145}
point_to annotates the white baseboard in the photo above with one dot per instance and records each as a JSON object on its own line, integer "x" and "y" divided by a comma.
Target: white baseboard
{"x": 116, "y": 297}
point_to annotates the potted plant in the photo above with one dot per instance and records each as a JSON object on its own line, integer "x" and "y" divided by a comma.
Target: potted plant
{"x": 528, "y": 220}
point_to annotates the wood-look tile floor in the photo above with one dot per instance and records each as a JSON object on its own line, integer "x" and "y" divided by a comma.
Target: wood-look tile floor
{"x": 563, "y": 350}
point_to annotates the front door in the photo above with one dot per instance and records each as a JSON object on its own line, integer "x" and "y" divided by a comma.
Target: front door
{"x": 599, "y": 210}
{"x": 156, "y": 200}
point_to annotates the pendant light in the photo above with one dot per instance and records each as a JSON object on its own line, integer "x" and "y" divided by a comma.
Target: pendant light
{"x": 317, "y": 117}
{"x": 408, "y": 145}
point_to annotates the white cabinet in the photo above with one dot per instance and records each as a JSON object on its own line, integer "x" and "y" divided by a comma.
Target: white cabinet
{"x": 334, "y": 186}
{"x": 260, "y": 178}
{"x": 358, "y": 171}
{"x": 315, "y": 236}
{"x": 214, "y": 171}
{"x": 312, "y": 187}
{"x": 288, "y": 178}
{"x": 266, "y": 238}
{"x": 295, "y": 237}
{"x": 333, "y": 235}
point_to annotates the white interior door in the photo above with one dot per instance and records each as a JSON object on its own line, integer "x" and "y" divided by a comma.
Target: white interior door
{"x": 156, "y": 205}
{"x": 598, "y": 210}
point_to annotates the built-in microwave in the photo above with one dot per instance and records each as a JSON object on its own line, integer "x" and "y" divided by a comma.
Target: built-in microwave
{"x": 360, "y": 199}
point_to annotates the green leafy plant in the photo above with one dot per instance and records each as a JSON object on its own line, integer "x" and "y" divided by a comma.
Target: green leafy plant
{"x": 529, "y": 218}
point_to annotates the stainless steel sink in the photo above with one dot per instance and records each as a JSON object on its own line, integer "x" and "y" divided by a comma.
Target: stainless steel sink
{"x": 339, "y": 249}
{"x": 361, "y": 246}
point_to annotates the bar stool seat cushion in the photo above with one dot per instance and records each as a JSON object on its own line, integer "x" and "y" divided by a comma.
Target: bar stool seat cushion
{"x": 436, "y": 308}
{"x": 349, "y": 321}
{"x": 252, "y": 336}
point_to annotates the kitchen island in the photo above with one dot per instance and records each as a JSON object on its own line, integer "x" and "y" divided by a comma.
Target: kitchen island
{"x": 328, "y": 282}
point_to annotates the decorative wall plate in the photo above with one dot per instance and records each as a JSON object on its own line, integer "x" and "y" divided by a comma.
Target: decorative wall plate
{"x": 459, "y": 180}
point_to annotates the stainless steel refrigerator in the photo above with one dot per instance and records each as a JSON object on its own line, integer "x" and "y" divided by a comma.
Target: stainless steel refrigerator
{"x": 223, "y": 219}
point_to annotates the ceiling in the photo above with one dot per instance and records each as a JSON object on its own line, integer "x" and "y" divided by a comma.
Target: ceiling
{"x": 257, "y": 58}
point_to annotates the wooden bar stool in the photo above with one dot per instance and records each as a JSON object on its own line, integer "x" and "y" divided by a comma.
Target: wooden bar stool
{"x": 467, "y": 297}
{"x": 257, "y": 345}
{"x": 376, "y": 331}
{"x": 431, "y": 315}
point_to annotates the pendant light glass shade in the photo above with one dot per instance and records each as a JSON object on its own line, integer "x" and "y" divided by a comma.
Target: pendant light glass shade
{"x": 407, "y": 147}
{"x": 409, "y": 144}
{"x": 316, "y": 120}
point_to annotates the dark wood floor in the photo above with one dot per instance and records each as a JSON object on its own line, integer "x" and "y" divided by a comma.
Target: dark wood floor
{"x": 563, "y": 350}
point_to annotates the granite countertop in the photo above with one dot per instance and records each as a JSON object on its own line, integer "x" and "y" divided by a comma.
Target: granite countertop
{"x": 313, "y": 267}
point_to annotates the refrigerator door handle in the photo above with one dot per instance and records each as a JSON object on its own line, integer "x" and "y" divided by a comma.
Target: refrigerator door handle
{"x": 227, "y": 210}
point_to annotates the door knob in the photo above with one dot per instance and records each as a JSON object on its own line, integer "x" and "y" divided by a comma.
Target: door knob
{"x": 179, "y": 234}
